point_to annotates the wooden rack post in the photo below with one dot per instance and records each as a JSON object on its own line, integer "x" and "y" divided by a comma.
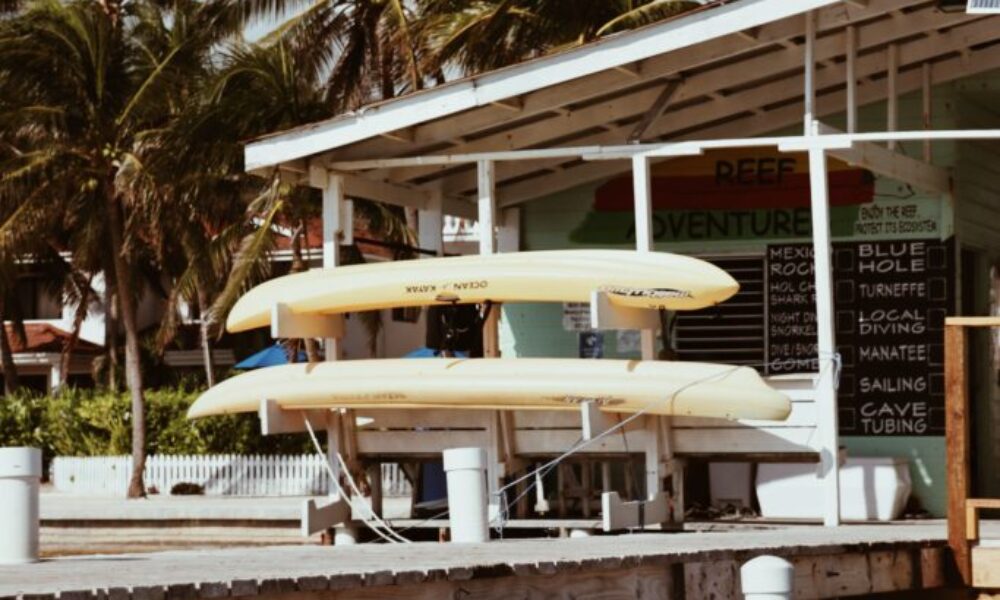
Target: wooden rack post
{"x": 963, "y": 512}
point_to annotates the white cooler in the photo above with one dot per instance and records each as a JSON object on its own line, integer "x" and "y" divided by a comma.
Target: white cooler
{"x": 870, "y": 489}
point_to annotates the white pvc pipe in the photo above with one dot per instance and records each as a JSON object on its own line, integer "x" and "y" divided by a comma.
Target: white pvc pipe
{"x": 767, "y": 578}
{"x": 465, "y": 469}
{"x": 20, "y": 472}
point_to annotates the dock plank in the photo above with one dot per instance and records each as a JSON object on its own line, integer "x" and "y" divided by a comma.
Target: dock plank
{"x": 276, "y": 570}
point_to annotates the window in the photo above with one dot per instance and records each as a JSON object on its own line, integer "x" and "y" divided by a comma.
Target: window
{"x": 734, "y": 331}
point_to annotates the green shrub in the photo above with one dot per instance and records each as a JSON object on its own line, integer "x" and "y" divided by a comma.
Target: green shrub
{"x": 98, "y": 422}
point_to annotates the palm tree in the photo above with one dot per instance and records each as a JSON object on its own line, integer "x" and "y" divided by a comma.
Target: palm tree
{"x": 481, "y": 35}
{"x": 82, "y": 92}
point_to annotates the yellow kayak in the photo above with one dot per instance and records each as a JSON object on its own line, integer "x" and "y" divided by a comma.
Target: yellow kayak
{"x": 654, "y": 280}
{"x": 627, "y": 386}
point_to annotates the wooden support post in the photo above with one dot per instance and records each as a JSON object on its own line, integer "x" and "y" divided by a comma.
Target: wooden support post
{"x": 374, "y": 471}
{"x": 852, "y": 79}
{"x": 487, "y": 217}
{"x": 892, "y": 93}
{"x": 826, "y": 392}
{"x": 486, "y": 176}
{"x": 957, "y": 447}
{"x": 657, "y": 444}
{"x": 333, "y": 212}
{"x": 332, "y": 186}
{"x": 334, "y": 443}
{"x": 809, "y": 102}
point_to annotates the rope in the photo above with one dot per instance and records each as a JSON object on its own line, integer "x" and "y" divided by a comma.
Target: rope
{"x": 580, "y": 445}
{"x": 538, "y": 473}
{"x": 389, "y": 536}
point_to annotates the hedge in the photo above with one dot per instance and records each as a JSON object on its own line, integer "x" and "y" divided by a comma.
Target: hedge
{"x": 97, "y": 422}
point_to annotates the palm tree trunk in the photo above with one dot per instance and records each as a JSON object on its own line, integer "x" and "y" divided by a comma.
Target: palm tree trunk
{"x": 10, "y": 379}
{"x": 206, "y": 338}
{"x": 74, "y": 336}
{"x": 111, "y": 335}
{"x": 133, "y": 370}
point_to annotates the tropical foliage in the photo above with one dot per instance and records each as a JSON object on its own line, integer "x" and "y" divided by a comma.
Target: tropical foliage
{"x": 121, "y": 130}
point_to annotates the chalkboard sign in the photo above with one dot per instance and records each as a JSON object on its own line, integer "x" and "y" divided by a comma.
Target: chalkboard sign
{"x": 890, "y": 300}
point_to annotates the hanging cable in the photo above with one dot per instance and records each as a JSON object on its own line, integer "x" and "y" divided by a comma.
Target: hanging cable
{"x": 389, "y": 536}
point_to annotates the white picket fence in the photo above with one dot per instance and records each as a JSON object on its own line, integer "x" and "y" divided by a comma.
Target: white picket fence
{"x": 219, "y": 475}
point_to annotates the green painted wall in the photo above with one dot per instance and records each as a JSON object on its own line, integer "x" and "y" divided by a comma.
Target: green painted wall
{"x": 557, "y": 222}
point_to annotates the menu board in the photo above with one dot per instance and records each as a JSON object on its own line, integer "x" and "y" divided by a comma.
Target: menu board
{"x": 890, "y": 301}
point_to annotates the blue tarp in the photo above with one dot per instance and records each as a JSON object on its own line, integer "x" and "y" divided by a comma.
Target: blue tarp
{"x": 271, "y": 356}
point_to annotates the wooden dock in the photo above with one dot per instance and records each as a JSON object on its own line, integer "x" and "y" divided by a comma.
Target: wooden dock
{"x": 845, "y": 561}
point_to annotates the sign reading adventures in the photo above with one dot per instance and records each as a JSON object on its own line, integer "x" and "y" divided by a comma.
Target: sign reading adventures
{"x": 755, "y": 194}
{"x": 890, "y": 301}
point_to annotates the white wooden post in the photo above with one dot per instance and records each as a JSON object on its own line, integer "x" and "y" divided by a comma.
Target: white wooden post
{"x": 657, "y": 446}
{"x": 487, "y": 214}
{"x": 892, "y": 94}
{"x": 333, "y": 210}
{"x": 826, "y": 392}
{"x": 809, "y": 103}
{"x": 486, "y": 174}
{"x": 852, "y": 79}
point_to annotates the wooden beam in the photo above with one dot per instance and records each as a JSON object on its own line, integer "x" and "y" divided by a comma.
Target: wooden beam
{"x": 286, "y": 324}
{"x": 683, "y": 118}
{"x": 529, "y": 188}
{"x": 892, "y": 90}
{"x": 611, "y": 53}
{"x": 755, "y": 68}
{"x": 632, "y": 70}
{"x": 655, "y": 110}
{"x": 515, "y": 104}
{"x": 957, "y": 446}
{"x": 809, "y": 81}
{"x": 974, "y": 321}
{"x": 400, "y": 135}
{"x": 888, "y": 163}
{"x": 851, "y": 77}
{"x": 359, "y": 186}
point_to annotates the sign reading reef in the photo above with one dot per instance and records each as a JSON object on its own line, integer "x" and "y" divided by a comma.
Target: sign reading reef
{"x": 756, "y": 194}
{"x": 890, "y": 301}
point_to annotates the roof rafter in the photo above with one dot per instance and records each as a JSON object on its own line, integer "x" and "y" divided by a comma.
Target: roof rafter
{"x": 604, "y": 55}
{"x": 948, "y": 69}
{"x": 911, "y": 54}
{"x": 758, "y": 67}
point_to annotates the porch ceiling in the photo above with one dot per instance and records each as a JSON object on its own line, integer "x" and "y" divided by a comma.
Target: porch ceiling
{"x": 746, "y": 83}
